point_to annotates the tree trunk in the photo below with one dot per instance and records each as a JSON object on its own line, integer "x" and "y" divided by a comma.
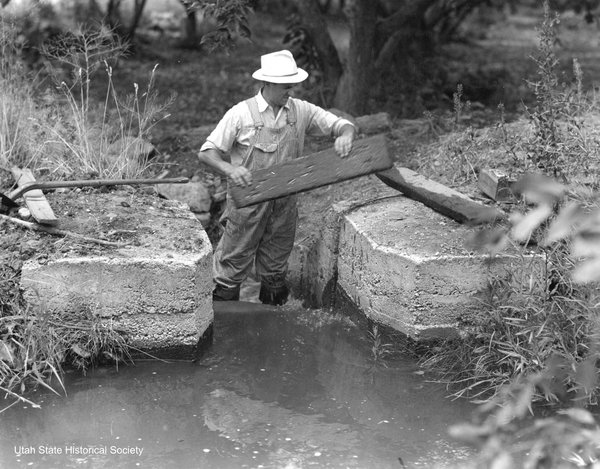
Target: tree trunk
{"x": 191, "y": 27}
{"x": 113, "y": 17}
{"x": 355, "y": 85}
{"x": 138, "y": 9}
{"x": 404, "y": 26}
{"x": 314, "y": 23}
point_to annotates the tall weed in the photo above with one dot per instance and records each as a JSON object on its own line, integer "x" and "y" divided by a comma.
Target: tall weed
{"x": 36, "y": 344}
{"x": 532, "y": 315}
{"x": 18, "y": 144}
{"x": 559, "y": 145}
{"x": 536, "y": 341}
{"x": 106, "y": 139}
{"x": 537, "y": 338}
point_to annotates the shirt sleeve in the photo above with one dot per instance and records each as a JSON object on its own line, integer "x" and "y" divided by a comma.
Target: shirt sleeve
{"x": 320, "y": 121}
{"x": 224, "y": 135}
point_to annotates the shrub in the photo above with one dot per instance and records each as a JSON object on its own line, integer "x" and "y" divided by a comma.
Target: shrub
{"x": 537, "y": 339}
{"x": 559, "y": 144}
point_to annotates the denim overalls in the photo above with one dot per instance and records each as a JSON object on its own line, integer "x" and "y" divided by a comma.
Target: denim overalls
{"x": 262, "y": 233}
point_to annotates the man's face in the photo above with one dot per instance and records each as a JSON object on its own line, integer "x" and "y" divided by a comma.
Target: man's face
{"x": 279, "y": 93}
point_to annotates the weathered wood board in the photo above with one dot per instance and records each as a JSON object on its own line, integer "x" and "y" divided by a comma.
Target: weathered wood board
{"x": 36, "y": 201}
{"x": 441, "y": 198}
{"x": 368, "y": 156}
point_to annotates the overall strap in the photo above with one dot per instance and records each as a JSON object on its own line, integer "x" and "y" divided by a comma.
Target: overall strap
{"x": 258, "y": 125}
{"x": 291, "y": 115}
{"x": 254, "y": 112}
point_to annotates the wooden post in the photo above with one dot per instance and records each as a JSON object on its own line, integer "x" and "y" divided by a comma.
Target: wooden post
{"x": 442, "y": 199}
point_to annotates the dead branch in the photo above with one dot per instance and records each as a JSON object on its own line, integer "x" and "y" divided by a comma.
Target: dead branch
{"x": 59, "y": 232}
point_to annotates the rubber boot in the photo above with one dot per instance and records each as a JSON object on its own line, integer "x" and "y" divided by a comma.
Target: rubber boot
{"x": 271, "y": 295}
{"x": 221, "y": 293}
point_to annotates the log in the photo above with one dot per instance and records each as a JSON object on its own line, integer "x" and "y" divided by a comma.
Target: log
{"x": 369, "y": 124}
{"x": 374, "y": 123}
{"x": 59, "y": 232}
{"x": 368, "y": 156}
{"x": 441, "y": 198}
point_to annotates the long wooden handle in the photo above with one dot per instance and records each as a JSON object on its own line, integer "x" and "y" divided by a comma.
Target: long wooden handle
{"x": 93, "y": 183}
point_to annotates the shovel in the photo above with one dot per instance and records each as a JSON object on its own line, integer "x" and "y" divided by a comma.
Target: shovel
{"x": 9, "y": 201}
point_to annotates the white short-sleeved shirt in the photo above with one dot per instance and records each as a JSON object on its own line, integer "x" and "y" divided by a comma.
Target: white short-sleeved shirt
{"x": 234, "y": 132}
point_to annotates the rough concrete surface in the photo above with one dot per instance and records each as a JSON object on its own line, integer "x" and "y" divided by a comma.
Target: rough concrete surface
{"x": 157, "y": 289}
{"x": 401, "y": 263}
{"x": 408, "y": 267}
{"x": 313, "y": 262}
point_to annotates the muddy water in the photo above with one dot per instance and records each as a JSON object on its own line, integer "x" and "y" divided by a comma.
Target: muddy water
{"x": 295, "y": 389}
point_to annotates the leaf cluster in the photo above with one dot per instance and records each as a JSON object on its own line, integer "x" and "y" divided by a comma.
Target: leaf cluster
{"x": 231, "y": 17}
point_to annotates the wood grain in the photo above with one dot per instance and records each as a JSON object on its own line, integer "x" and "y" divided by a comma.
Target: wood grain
{"x": 368, "y": 156}
{"x": 442, "y": 199}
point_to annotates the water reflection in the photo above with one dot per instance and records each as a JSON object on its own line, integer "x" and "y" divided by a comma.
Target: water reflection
{"x": 290, "y": 390}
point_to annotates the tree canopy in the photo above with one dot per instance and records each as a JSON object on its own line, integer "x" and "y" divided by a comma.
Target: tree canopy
{"x": 386, "y": 37}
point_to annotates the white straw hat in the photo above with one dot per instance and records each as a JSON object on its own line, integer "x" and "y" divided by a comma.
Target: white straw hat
{"x": 279, "y": 67}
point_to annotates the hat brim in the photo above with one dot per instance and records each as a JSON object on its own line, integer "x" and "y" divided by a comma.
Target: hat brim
{"x": 295, "y": 78}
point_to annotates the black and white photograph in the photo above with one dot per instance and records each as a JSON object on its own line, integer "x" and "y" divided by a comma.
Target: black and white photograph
{"x": 296, "y": 234}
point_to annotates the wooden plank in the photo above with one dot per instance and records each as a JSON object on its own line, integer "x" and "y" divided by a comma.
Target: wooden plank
{"x": 368, "y": 155}
{"x": 441, "y": 198}
{"x": 495, "y": 185}
{"x": 36, "y": 201}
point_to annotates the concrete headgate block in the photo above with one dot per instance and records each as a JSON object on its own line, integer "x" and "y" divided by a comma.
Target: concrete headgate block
{"x": 313, "y": 262}
{"x": 407, "y": 266}
{"x": 158, "y": 291}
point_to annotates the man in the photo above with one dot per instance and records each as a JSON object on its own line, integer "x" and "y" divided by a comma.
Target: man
{"x": 264, "y": 130}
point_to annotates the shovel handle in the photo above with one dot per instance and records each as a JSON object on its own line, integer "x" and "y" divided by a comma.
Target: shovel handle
{"x": 94, "y": 183}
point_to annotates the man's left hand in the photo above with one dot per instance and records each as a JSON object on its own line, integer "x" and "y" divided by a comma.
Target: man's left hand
{"x": 343, "y": 144}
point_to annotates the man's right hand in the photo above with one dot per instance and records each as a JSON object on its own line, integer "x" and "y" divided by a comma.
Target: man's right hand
{"x": 240, "y": 176}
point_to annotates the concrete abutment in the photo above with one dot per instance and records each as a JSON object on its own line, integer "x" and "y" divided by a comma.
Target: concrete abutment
{"x": 402, "y": 265}
{"x": 157, "y": 291}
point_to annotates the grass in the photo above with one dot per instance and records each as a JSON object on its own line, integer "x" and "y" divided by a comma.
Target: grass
{"x": 537, "y": 337}
{"x": 17, "y": 106}
{"x": 68, "y": 135}
{"x": 71, "y": 134}
{"x": 35, "y": 344}
{"x": 531, "y": 315}
{"x": 104, "y": 140}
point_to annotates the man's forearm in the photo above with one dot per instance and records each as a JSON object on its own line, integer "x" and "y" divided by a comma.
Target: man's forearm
{"x": 214, "y": 160}
{"x": 348, "y": 130}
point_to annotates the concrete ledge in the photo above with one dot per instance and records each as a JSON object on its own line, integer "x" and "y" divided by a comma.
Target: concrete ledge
{"x": 402, "y": 264}
{"x": 313, "y": 262}
{"x": 156, "y": 290}
{"x": 407, "y": 266}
